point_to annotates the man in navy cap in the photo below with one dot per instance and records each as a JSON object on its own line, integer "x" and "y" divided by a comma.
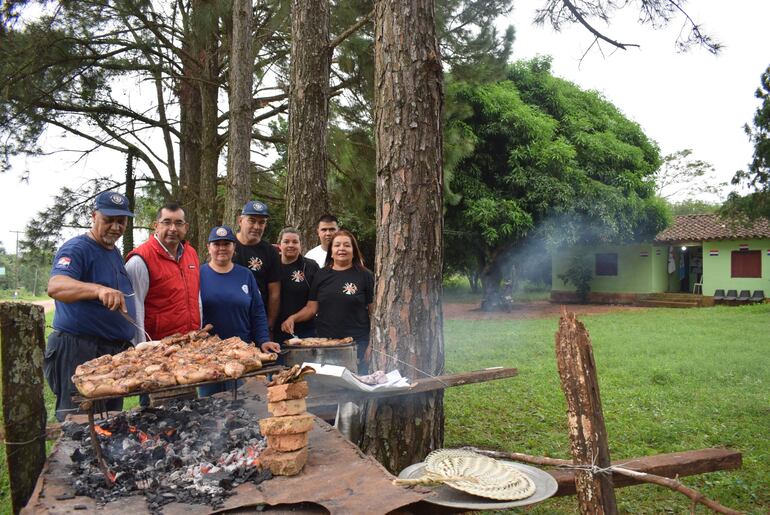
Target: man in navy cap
{"x": 90, "y": 285}
{"x": 259, "y": 256}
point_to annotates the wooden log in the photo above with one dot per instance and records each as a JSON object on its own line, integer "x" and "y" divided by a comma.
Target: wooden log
{"x": 22, "y": 348}
{"x": 587, "y": 432}
{"x": 419, "y": 386}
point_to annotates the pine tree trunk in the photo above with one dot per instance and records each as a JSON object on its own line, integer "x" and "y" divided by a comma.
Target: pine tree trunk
{"x": 407, "y": 321}
{"x": 209, "y": 90}
{"x": 128, "y": 236}
{"x": 190, "y": 149}
{"x": 306, "y": 192}
{"x": 238, "y": 189}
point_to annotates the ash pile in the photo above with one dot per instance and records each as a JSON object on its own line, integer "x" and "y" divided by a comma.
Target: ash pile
{"x": 188, "y": 451}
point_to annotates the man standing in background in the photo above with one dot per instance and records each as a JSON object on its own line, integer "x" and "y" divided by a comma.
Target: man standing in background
{"x": 89, "y": 284}
{"x": 165, "y": 274}
{"x": 259, "y": 256}
{"x": 326, "y": 228}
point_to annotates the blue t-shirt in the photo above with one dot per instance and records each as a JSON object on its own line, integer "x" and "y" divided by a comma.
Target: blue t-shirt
{"x": 85, "y": 260}
{"x": 233, "y": 305}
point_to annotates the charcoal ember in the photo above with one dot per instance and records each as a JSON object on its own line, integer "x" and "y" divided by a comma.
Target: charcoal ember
{"x": 77, "y": 456}
{"x": 73, "y": 430}
{"x": 188, "y": 451}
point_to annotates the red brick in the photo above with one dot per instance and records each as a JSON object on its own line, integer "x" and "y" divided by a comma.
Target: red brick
{"x": 286, "y": 443}
{"x": 288, "y": 391}
{"x": 284, "y": 463}
{"x": 290, "y": 425}
{"x": 284, "y": 408}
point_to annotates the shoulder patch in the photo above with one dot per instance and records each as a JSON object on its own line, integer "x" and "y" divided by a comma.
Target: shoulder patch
{"x": 63, "y": 262}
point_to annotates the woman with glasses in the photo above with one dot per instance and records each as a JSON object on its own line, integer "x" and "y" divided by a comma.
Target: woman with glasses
{"x": 340, "y": 297}
{"x": 297, "y": 273}
{"x": 231, "y": 300}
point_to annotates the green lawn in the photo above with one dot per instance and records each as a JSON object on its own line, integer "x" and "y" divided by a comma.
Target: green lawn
{"x": 670, "y": 380}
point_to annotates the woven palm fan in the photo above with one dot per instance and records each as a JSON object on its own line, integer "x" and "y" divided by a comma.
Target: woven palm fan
{"x": 475, "y": 474}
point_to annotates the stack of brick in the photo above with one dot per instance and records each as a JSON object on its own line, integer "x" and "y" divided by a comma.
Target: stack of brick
{"x": 287, "y": 430}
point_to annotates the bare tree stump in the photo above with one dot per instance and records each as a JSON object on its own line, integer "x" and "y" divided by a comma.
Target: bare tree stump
{"x": 587, "y": 434}
{"x": 22, "y": 347}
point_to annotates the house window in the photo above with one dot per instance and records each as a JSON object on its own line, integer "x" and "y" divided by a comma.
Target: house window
{"x": 746, "y": 263}
{"x": 607, "y": 264}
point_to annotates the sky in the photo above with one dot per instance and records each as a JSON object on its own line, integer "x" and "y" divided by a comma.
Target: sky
{"x": 692, "y": 100}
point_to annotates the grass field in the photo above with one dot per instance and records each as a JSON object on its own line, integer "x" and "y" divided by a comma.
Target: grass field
{"x": 670, "y": 380}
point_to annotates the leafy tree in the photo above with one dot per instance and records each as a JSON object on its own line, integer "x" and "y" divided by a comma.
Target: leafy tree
{"x": 681, "y": 176}
{"x": 693, "y": 207}
{"x": 757, "y": 176}
{"x": 549, "y": 161}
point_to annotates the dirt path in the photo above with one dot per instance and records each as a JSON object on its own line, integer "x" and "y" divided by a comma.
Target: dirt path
{"x": 535, "y": 309}
{"x": 48, "y": 304}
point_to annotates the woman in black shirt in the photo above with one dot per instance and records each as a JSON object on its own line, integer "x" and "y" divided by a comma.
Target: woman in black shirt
{"x": 297, "y": 275}
{"x": 341, "y": 296}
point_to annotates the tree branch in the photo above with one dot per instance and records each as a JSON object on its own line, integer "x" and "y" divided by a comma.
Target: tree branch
{"x": 579, "y": 17}
{"x": 350, "y": 30}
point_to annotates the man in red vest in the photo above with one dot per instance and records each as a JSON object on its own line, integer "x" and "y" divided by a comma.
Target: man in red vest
{"x": 165, "y": 274}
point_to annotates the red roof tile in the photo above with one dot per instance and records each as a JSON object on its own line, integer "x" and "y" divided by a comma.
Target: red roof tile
{"x": 712, "y": 227}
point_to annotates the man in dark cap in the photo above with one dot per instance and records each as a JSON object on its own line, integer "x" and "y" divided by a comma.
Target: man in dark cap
{"x": 259, "y": 256}
{"x": 90, "y": 286}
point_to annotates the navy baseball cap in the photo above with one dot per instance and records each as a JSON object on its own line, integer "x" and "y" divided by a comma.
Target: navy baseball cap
{"x": 112, "y": 203}
{"x": 255, "y": 207}
{"x": 221, "y": 233}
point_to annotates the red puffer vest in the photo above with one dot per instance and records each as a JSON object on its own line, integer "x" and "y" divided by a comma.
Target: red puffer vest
{"x": 171, "y": 305}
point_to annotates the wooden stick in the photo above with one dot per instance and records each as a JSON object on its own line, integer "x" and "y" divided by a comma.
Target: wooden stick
{"x": 587, "y": 433}
{"x": 675, "y": 485}
{"x": 688, "y": 461}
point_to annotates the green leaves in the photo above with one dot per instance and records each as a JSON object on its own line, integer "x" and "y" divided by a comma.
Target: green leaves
{"x": 534, "y": 156}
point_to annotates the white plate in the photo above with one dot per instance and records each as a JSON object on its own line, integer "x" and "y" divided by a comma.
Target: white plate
{"x": 545, "y": 487}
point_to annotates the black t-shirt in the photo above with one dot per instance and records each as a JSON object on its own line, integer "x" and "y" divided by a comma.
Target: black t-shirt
{"x": 296, "y": 279}
{"x": 343, "y": 300}
{"x": 263, "y": 261}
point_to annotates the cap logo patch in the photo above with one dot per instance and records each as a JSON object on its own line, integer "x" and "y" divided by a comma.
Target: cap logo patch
{"x": 258, "y": 206}
{"x": 221, "y": 232}
{"x": 116, "y": 199}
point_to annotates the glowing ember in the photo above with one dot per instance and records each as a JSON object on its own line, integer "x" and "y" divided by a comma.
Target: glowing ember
{"x": 191, "y": 451}
{"x": 102, "y": 432}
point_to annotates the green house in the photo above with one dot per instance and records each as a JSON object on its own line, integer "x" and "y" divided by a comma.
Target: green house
{"x": 685, "y": 264}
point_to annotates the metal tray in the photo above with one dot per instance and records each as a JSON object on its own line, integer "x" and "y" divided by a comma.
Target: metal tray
{"x": 545, "y": 487}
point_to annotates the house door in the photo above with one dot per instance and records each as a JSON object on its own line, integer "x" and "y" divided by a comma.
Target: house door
{"x": 684, "y": 270}
{"x": 690, "y": 267}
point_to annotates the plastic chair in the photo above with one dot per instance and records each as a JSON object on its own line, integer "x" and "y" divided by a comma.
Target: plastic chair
{"x": 731, "y": 295}
{"x": 719, "y": 295}
{"x": 758, "y": 296}
{"x": 698, "y": 286}
{"x": 744, "y": 296}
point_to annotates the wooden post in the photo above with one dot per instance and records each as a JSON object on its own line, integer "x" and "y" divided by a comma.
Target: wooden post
{"x": 22, "y": 347}
{"x": 587, "y": 434}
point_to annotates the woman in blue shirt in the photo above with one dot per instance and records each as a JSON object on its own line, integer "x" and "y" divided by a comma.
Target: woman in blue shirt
{"x": 231, "y": 300}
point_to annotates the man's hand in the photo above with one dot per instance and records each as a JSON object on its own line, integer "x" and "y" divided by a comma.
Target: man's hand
{"x": 112, "y": 299}
{"x": 270, "y": 347}
{"x": 288, "y": 326}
